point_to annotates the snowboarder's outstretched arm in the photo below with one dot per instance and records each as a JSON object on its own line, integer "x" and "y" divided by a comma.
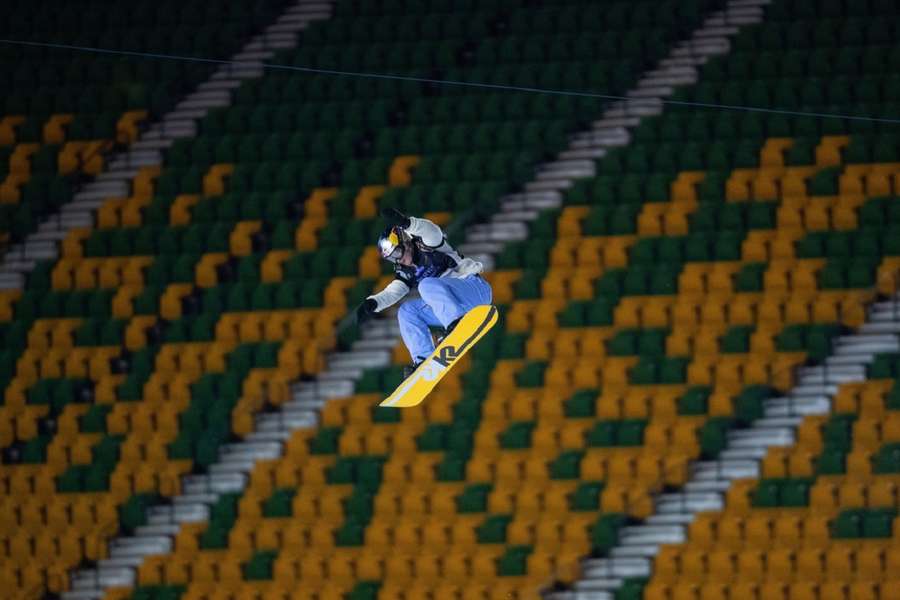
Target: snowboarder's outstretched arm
{"x": 390, "y": 295}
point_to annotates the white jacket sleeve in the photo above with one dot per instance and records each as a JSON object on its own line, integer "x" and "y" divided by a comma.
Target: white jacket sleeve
{"x": 431, "y": 234}
{"x": 390, "y": 295}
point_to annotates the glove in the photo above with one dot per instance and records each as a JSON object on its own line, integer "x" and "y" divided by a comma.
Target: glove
{"x": 394, "y": 218}
{"x": 365, "y": 311}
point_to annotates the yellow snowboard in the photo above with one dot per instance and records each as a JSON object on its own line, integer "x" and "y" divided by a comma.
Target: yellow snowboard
{"x": 469, "y": 330}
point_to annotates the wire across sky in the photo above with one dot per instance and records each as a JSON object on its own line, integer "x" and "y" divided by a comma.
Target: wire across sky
{"x": 448, "y": 82}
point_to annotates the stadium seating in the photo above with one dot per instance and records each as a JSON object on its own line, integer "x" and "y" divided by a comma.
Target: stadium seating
{"x": 811, "y": 228}
{"x": 84, "y": 439}
{"x": 240, "y": 206}
{"x": 657, "y": 309}
{"x": 64, "y": 111}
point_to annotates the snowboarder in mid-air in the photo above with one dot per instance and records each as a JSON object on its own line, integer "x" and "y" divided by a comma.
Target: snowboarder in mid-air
{"x": 449, "y": 284}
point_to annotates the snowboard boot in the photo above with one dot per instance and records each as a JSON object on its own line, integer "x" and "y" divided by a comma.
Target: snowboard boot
{"x": 410, "y": 369}
{"x": 447, "y": 331}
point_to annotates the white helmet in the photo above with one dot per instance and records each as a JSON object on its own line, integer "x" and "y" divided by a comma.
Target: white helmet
{"x": 392, "y": 243}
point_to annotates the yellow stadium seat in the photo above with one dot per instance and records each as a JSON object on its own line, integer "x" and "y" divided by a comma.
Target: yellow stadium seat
{"x": 229, "y": 571}
{"x": 271, "y": 265}
{"x": 285, "y": 570}
{"x": 656, "y": 589}
{"x": 847, "y": 400}
{"x": 882, "y": 492}
{"x": 891, "y": 561}
{"x": 649, "y": 221}
{"x": 703, "y": 530}
{"x": 839, "y": 563}
{"x": 615, "y": 250}
{"x": 275, "y": 326}
{"x": 589, "y": 252}
{"x": 483, "y": 568}
{"x": 801, "y": 464}
{"x": 418, "y": 590}
{"x": 721, "y": 565}
{"x": 502, "y": 282}
{"x": 780, "y": 565}
{"x": 382, "y": 441}
{"x": 446, "y": 591}
{"x": 521, "y": 531}
{"x": 251, "y": 327}
{"x": 731, "y": 531}
{"x": 823, "y": 496}
{"x": 455, "y": 567}
{"x": 664, "y": 405}
{"x": 426, "y": 565}
{"x": 863, "y": 590}
{"x": 788, "y": 530}
{"x": 685, "y": 591}
{"x": 871, "y": 399}
{"x": 675, "y": 219}
{"x": 436, "y": 534}
{"x": 273, "y": 533}
{"x": 809, "y": 434}
{"x": 397, "y": 470}
{"x": 803, "y": 590}
{"x": 710, "y": 591}
{"x": 62, "y": 276}
{"x": 548, "y": 533}
{"x": 751, "y": 565}
{"x": 816, "y": 531}
{"x": 694, "y": 565}
{"x": 890, "y": 428}
{"x": 859, "y": 464}
{"x": 869, "y": 562}
{"x": 758, "y": 530}
{"x": 775, "y": 462}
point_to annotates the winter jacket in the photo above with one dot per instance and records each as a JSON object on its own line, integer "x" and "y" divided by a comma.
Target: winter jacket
{"x": 434, "y": 257}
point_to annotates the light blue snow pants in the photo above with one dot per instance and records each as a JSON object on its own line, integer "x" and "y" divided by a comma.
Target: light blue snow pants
{"x": 443, "y": 300}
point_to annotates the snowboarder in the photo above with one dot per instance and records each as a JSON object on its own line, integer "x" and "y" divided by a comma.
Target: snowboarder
{"x": 449, "y": 284}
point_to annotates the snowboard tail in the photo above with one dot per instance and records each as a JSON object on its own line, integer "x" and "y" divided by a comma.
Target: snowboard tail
{"x": 471, "y": 328}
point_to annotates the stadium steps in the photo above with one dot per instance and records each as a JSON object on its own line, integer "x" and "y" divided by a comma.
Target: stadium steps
{"x": 21, "y": 258}
{"x": 125, "y": 554}
{"x": 710, "y": 480}
{"x": 632, "y": 558}
{"x": 577, "y": 162}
